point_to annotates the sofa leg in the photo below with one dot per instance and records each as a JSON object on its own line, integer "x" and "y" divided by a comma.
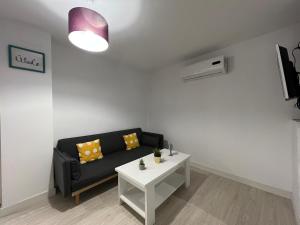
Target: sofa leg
{"x": 77, "y": 199}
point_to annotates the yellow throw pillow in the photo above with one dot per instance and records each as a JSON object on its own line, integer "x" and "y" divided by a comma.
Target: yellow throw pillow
{"x": 89, "y": 151}
{"x": 131, "y": 141}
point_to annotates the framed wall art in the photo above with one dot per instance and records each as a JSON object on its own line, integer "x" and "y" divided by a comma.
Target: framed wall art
{"x": 26, "y": 59}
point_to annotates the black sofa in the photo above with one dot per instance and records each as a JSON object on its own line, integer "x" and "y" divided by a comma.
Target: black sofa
{"x": 72, "y": 178}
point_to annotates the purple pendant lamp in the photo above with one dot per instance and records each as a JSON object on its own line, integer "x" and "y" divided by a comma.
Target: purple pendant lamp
{"x": 88, "y": 30}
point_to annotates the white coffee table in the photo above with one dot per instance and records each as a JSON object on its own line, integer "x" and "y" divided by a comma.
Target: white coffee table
{"x": 145, "y": 190}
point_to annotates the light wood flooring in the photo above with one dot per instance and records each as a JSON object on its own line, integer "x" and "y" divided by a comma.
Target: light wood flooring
{"x": 210, "y": 200}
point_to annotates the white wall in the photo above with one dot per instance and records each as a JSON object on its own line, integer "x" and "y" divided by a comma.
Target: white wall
{"x": 237, "y": 123}
{"x": 26, "y": 117}
{"x": 296, "y": 170}
{"x": 93, "y": 95}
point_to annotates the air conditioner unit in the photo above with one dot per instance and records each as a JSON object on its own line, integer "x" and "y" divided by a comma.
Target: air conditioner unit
{"x": 205, "y": 68}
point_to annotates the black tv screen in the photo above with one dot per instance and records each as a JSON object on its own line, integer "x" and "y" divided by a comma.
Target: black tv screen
{"x": 289, "y": 77}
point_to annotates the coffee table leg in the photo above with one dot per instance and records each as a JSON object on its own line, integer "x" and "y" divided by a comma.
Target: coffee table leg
{"x": 149, "y": 205}
{"x": 187, "y": 173}
{"x": 122, "y": 184}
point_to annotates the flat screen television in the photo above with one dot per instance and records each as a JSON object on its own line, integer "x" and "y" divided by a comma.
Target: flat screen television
{"x": 289, "y": 76}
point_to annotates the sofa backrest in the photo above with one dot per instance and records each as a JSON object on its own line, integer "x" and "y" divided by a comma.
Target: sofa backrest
{"x": 110, "y": 142}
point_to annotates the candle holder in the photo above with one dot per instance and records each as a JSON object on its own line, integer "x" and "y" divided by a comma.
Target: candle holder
{"x": 171, "y": 148}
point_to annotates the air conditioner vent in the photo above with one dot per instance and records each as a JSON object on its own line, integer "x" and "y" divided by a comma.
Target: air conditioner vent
{"x": 205, "y": 68}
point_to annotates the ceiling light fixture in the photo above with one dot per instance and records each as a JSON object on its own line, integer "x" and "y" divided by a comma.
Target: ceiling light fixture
{"x": 88, "y": 30}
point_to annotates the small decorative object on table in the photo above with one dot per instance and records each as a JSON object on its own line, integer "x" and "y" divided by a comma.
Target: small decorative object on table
{"x": 157, "y": 155}
{"x": 142, "y": 165}
{"x": 171, "y": 148}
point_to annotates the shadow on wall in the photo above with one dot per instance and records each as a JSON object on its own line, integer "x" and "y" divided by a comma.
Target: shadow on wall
{"x": 51, "y": 186}
{"x": 166, "y": 143}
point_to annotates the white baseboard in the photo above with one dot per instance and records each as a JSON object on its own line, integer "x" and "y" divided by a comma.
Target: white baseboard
{"x": 267, "y": 188}
{"x": 27, "y": 203}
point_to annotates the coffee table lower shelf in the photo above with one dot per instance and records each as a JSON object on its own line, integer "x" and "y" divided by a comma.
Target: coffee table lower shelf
{"x": 135, "y": 198}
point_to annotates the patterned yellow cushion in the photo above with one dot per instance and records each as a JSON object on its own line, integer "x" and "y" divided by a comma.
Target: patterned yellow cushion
{"x": 89, "y": 151}
{"x": 131, "y": 141}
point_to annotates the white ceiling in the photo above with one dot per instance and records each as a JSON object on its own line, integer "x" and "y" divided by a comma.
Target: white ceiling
{"x": 149, "y": 34}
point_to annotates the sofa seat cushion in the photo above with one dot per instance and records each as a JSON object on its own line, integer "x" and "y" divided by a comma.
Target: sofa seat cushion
{"x": 136, "y": 153}
{"x": 100, "y": 169}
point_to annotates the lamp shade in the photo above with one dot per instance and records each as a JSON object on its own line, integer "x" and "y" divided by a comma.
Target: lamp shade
{"x": 88, "y": 30}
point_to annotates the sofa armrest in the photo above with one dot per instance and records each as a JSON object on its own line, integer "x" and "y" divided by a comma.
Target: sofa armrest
{"x": 159, "y": 136}
{"x": 62, "y": 172}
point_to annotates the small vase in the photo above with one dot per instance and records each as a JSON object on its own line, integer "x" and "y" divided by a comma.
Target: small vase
{"x": 157, "y": 159}
{"x": 142, "y": 167}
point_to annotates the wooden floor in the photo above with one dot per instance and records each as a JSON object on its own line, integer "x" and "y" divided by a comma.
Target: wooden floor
{"x": 210, "y": 200}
